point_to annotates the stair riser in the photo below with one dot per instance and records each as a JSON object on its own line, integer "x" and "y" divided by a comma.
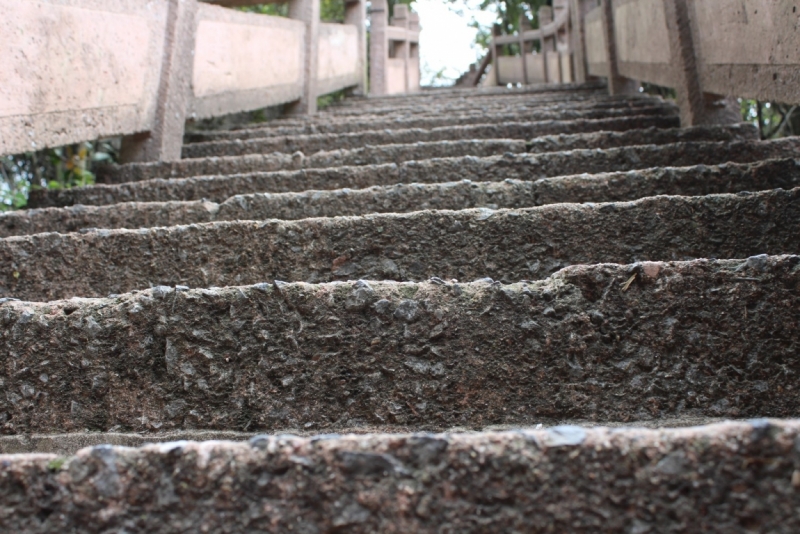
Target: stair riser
{"x": 589, "y": 481}
{"x": 688, "y": 181}
{"x": 505, "y": 245}
{"x": 520, "y": 167}
{"x": 591, "y": 343}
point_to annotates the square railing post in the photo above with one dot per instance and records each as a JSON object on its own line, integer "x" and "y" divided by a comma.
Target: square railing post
{"x": 164, "y": 141}
{"x": 695, "y": 106}
{"x": 617, "y": 84}
{"x": 378, "y": 47}
{"x": 308, "y": 12}
{"x": 578, "y": 11}
{"x": 402, "y": 49}
{"x": 355, "y": 13}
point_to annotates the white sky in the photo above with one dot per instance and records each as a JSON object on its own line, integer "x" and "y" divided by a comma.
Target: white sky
{"x": 447, "y": 41}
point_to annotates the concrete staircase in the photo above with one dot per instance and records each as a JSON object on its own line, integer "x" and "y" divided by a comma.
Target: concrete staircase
{"x": 471, "y": 311}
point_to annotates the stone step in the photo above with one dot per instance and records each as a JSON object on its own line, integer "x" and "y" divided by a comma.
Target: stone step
{"x": 450, "y": 105}
{"x": 595, "y": 89}
{"x": 706, "y": 338}
{"x": 598, "y": 90}
{"x": 404, "y": 198}
{"x": 534, "y": 110}
{"x": 140, "y": 183}
{"x": 507, "y": 245}
{"x": 597, "y": 133}
{"x": 721, "y": 478}
{"x": 412, "y": 120}
{"x": 507, "y": 130}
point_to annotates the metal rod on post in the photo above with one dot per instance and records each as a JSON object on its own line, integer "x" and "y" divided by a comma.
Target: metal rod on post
{"x": 165, "y": 141}
{"x": 307, "y": 11}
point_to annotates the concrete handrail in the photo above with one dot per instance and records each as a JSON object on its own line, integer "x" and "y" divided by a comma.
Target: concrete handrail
{"x": 709, "y": 52}
{"x": 552, "y": 65}
{"x": 394, "y": 50}
{"x": 549, "y": 30}
{"x": 78, "y": 70}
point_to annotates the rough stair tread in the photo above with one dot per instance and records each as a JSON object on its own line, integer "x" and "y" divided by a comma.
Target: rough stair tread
{"x": 599, "y": 342}
{"x": 404, "y": 198}
{"x": 218, "y": 179}
{"x": 728, "y": 477}
{"x": 601, "y": 133}
{"x": 507, "y": 245}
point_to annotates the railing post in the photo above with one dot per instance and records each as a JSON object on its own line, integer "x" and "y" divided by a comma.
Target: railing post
{"x": 165, "y": 141}
{"x": 378, "y": 47}
{"x": 413, "y": 50}
{"x": 524, "y": 25}
{"x": 578, "y": 11}
{"x": 696, "y": 107}
{"x": 355, "y": 13}
{"x": 307, "y": 11}
{"x": 545, "y": 18}
{"x": 403, "y": 51}
{"x": 495, "y": 72}
{"x": 617, "y": 84}
{"x": 561, "y": 38}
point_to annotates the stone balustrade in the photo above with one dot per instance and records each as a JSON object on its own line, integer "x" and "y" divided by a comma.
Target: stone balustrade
{"x": 85, "y": 69}
{"x": 394, "y": 50}
{"x": 708, "y": 52}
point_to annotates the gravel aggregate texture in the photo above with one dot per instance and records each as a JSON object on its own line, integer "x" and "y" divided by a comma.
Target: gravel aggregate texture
{"x": 404, "y": 198}
{"x": 706, "y": 338}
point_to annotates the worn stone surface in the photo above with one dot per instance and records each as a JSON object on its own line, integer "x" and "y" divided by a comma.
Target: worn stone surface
{"x": 403, "y": 198}
{"x": 730, "y": 477}
{"x": 654, "y": 136}
{"x": 507, "y": 245}
{"x": 70, "y": 443}
{"x": 520, "y": 167}
{"x": 310, "y": 144}
{"x": 604, "y": 342}
{"x": 533, "y": 111}
{"x": 436, "y": 120}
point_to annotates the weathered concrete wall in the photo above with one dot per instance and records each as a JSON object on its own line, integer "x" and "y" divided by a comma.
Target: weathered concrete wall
{"x": 748, "y": 48}
{"x": 74, "y": 70}
{"x": 338, "y": 58}
{"x": 236, "y": 64}
{"x": 643, "y": 42}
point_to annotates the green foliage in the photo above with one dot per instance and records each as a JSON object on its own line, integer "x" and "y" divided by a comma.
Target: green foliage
{"x": 57, "y": 168}
{"x": 56, "y": 464}
{"x": 772, "y": 118}
{"x": 327, "y": 100}
{"x": 330, "y": 10}
{"x": 508, "y": 16}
